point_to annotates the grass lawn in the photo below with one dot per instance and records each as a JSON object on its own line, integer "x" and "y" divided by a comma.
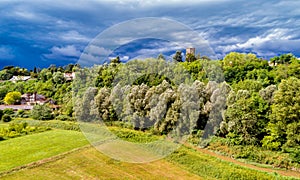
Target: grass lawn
{"x": 23, "y": 150}
{"x": 90, "y": 164}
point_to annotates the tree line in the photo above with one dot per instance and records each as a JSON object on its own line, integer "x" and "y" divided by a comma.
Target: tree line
{"x": 242, "y": 98}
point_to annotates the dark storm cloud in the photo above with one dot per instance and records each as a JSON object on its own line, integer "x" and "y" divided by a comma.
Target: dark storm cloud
{"x": 39, "y": 33}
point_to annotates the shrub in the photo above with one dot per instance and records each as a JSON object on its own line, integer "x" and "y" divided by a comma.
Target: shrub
{"x": 12, "y": 97}
{"x": 21, "y": 113}
{"x": 41, "y": 112}
{"x": 55, "y": 124}
{"x": 64, "y": 118}
{"x": 8, "y": 111}
{"x": 1, "y": 114}
{"x": 20, "y": 129}
{"x": 6, "y": 118}
{"x": 288, "y": 159}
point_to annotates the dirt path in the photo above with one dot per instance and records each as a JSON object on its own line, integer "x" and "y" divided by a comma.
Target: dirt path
{"x": 228, "y": 159}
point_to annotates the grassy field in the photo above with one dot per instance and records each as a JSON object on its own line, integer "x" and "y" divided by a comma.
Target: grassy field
{"x": 88, "y": 163}
{"x": 23, "y": 150}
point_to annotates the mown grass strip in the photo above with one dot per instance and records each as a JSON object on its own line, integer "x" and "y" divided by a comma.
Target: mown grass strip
{"x": 42, "y": 162}
{"x": 31, "y": 148}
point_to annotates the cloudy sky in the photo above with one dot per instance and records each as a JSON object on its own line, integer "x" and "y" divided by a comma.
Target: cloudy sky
{"x": 43, "y": 32}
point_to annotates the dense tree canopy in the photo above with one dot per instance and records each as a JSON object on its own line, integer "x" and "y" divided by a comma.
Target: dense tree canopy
{"x": 242, "y": 98}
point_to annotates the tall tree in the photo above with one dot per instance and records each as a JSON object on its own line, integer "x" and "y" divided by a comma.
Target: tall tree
{"x": 178, "y": 56}
{"x": 285, "y": 117}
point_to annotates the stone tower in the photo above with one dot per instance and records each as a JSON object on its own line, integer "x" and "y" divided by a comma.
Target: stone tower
{"x": 191, "y": 51}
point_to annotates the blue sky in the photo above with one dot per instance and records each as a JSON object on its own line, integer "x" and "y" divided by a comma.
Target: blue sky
{"x": 43, "y": 32}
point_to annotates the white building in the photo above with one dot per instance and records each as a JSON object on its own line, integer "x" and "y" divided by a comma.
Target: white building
{"x": 14, "y": 79}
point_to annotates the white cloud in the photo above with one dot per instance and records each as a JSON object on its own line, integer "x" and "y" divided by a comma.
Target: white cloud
{"x": 228, "y": 25}
{"x": 94, "y": 55}
{"x": 155, "y": 3}
{"x": 124, "y": 58}
{"x": 89, "y": 60}
{"x": 98, "y": 51}
{"x": 60, "y": 52}
{"x": 276, "y": 34}
{"x": 73, "y": 36}
{"x": 265, "y": 45}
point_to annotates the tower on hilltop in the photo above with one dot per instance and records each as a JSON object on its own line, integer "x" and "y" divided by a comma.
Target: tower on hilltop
{"x": 191, "y": 51}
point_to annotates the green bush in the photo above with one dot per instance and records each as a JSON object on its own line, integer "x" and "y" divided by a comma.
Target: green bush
{"x": 1, "y": 114}
{"x": 19, "y": 129}
{"x": 20, "y": 113}
{"x": 55, "y": 124}
{"x": 8, "y": 111}
{"x": 6, "y": 118}
{"x": 64, "y": 118}
{"x": 133, "y": 135}
{"x": 41, "y": 112}
{"x": 209, "y": 167}
{"x": 288, "y": 159}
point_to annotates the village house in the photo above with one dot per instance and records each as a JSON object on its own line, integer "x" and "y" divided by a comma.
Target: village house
{"x": 28, "y": 100}
{"x": 15, "y": 79}
{"x": 69, "y": 76}
{"x": 33, "y": 99}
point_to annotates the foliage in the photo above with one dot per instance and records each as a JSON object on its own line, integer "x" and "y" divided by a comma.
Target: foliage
{"x": 211, "y": 167}
{"x": 249, "y": 85}
{"x": 21, "y": 113}
{"x": 20, "y": 129}
{"x": 41, "y": 112}
{"x": 262, "y": 108}
{"x": 161, "y": 56}
{"x": 6, "y": 118}
{"x": 133, "y": 136}
{"x": 58, "y": 78}
{"x": 190, "y": 57}
{"x": 1, "y": 113}
{"x": 116, "y": 60}
{"x": 283, "y": 59}
{"x": 256, "y": 154}
{"x": 85, "y": 104}
{"x": 9, "y": 71}
{"x": 12, "y": 98}
{"x": 178, "y": 56}
{"x": 243, "y": 118}
{"x": 283, "y": 128}
{"x": 8, "y": 111}
{"x": 64, "y": 118}
{"x": 53, "y": 124}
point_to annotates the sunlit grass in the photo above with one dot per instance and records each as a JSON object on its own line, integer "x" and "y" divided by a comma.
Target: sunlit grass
{"x": 23, "y": 150}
